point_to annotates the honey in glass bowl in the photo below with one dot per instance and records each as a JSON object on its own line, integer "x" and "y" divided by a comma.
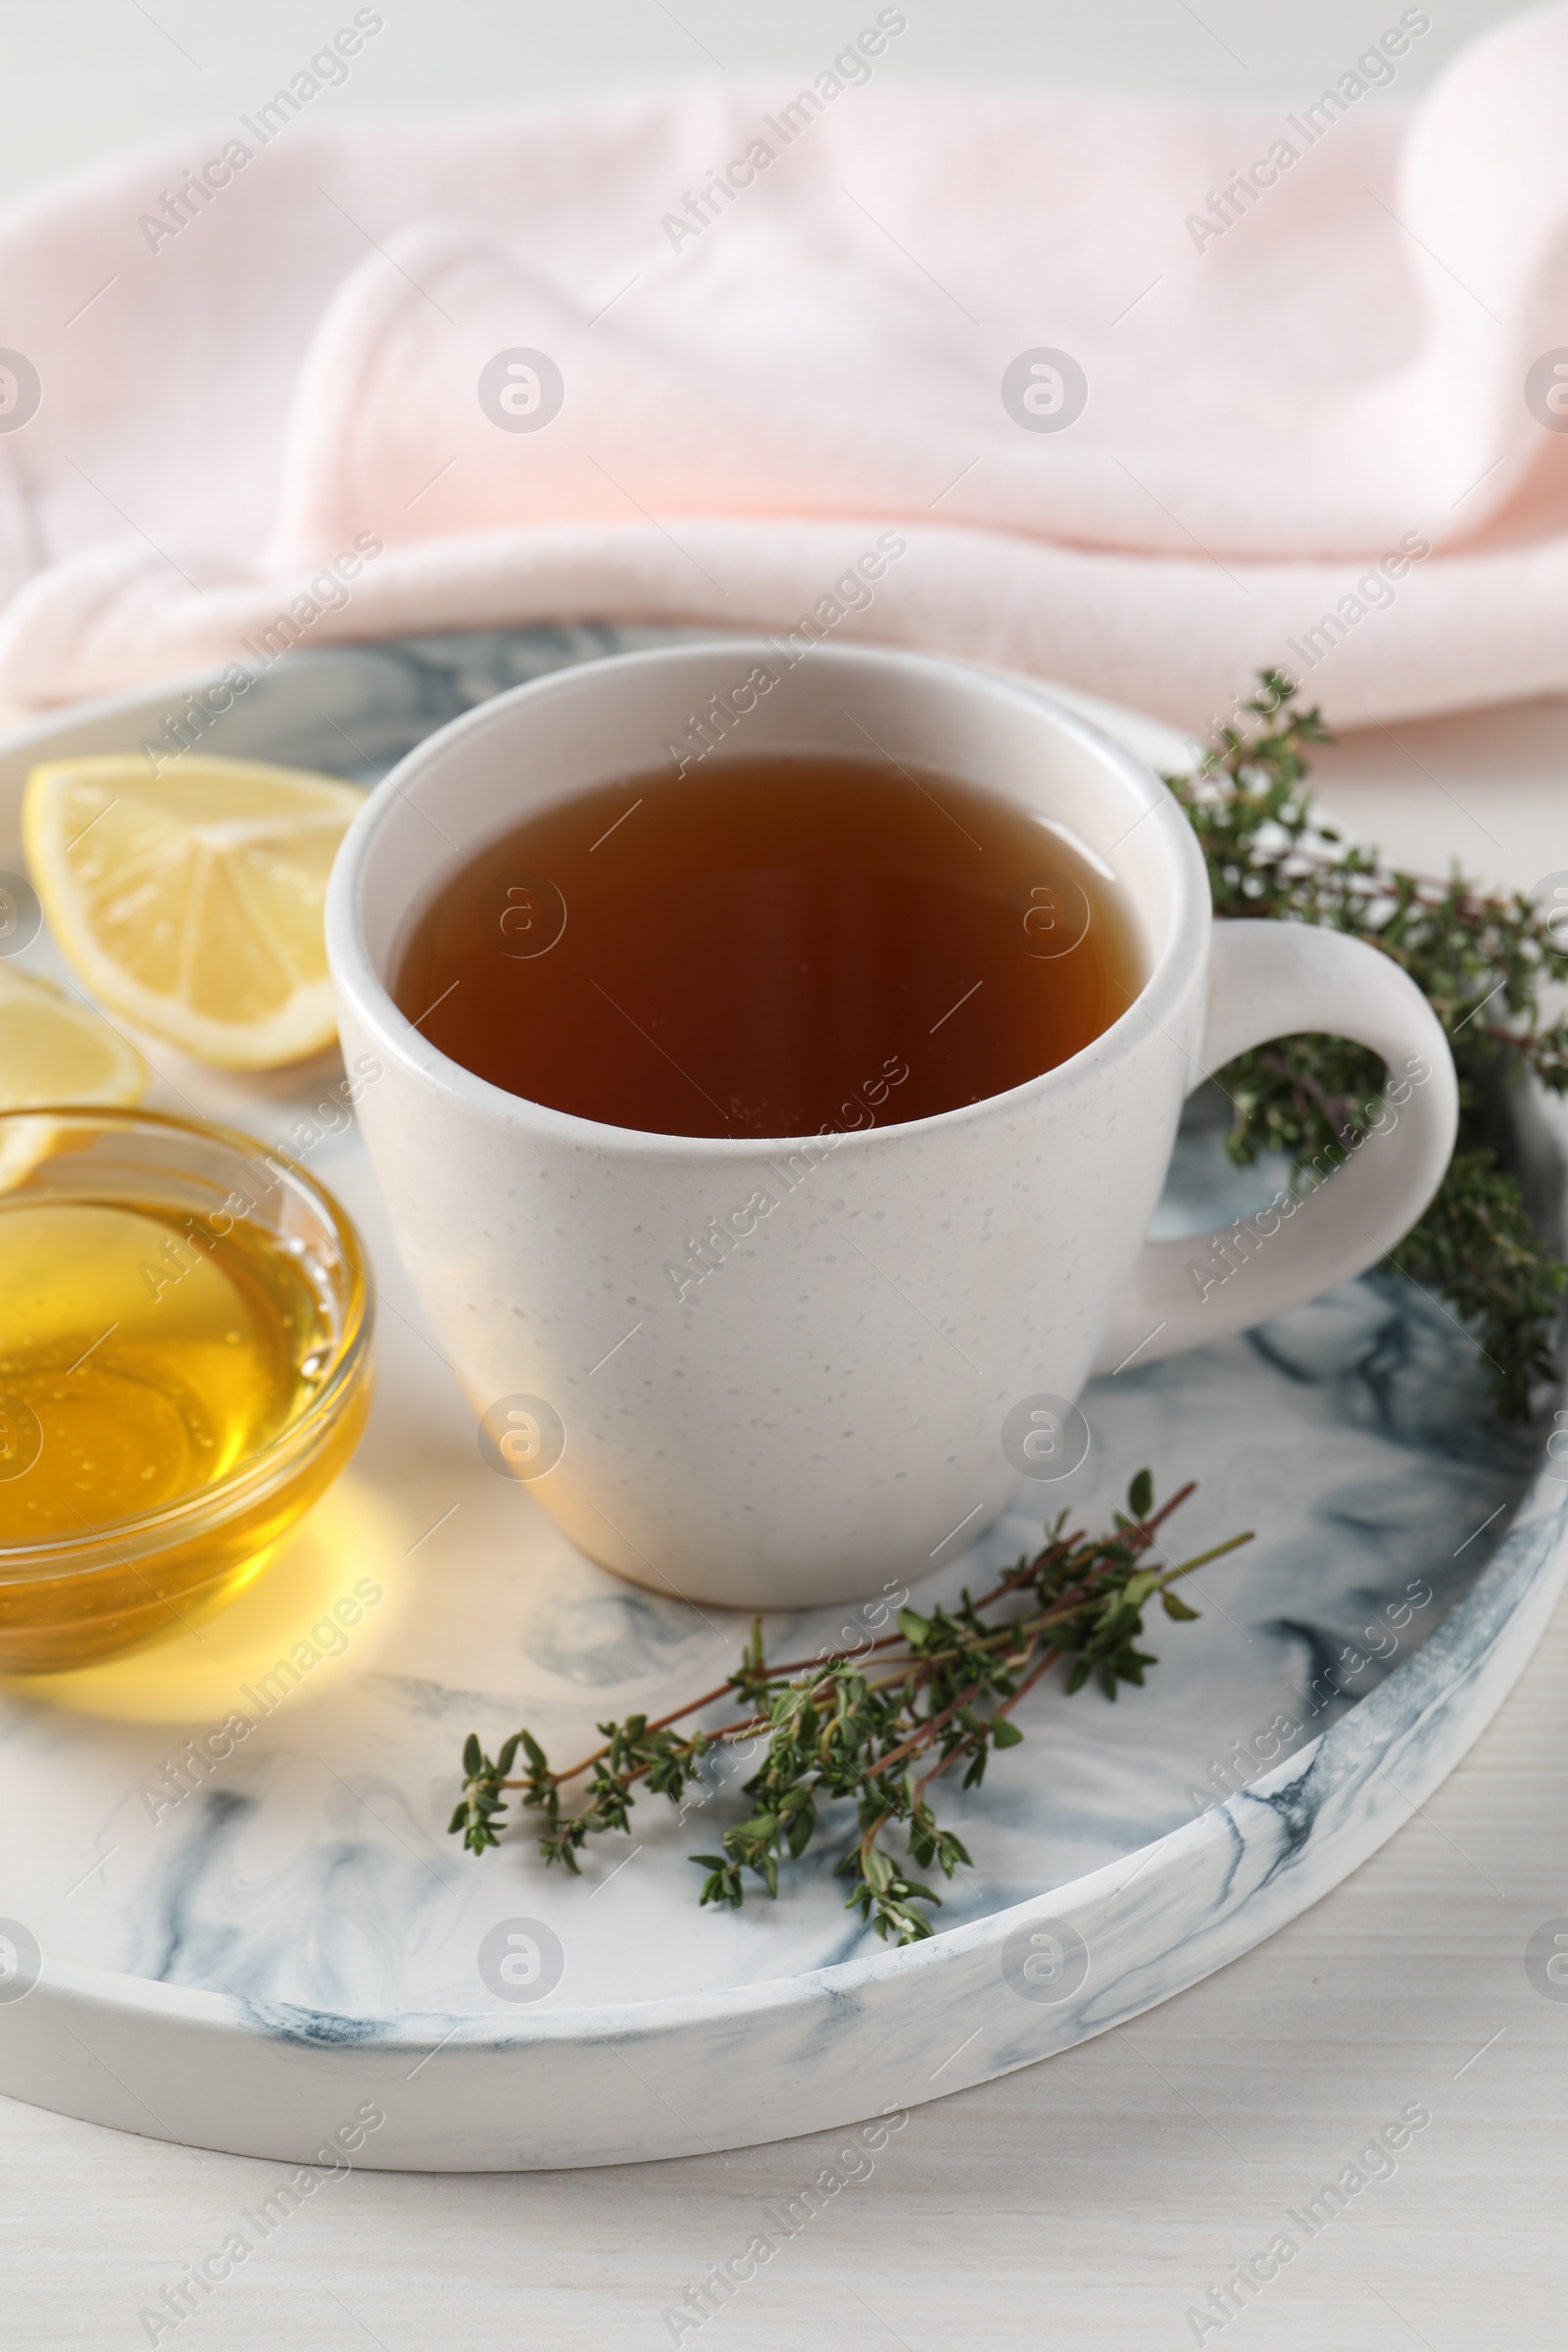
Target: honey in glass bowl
{"x": 184, "y": 1367}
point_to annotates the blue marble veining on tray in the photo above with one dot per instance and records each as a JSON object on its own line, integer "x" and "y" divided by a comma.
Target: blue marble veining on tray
{"x": 1352, "y": 1435}
{"x": 1406, "y": 1547}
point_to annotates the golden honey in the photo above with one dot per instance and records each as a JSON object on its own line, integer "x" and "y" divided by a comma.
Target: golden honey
{"x": 173, "y": 1396}
{"x": 148, "y": 1363}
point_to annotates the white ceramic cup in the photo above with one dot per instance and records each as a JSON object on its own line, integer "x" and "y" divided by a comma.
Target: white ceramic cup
{"x": 898, "y": 1314}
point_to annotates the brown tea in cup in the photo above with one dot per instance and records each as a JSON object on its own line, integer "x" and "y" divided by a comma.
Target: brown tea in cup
{"x": 732, "y": 951}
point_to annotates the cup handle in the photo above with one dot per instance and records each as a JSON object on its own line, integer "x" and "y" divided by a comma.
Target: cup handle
{"x": 1277, "y": 979}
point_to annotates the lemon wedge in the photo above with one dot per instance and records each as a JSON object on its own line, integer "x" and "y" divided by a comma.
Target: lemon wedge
{"x": 191, "y": 903}
{"x": 53, "y": 1049}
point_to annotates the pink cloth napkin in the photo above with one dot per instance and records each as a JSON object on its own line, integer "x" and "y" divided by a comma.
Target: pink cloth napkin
{"x": 1134, "y": 395}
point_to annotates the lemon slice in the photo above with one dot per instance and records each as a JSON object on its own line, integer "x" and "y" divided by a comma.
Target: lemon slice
{"x": 192, "y": 902}
{"x": 53, "y": 1049}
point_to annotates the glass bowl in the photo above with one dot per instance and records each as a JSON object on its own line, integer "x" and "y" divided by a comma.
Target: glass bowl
{"x": 264, "y": 1238}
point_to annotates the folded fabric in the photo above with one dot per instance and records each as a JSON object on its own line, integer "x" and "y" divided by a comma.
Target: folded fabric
{"x": 1140, "y": 396}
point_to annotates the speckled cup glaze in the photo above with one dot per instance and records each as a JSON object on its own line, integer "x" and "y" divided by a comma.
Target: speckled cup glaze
{"x": 826, "y": 1407}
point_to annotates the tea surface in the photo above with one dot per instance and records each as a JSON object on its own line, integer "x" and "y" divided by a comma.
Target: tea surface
{"x": 740, "y": 951}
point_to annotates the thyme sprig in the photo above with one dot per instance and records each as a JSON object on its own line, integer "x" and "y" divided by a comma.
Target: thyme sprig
{"x": 1482, "y": 959}
{"x": 875, "y": 1726}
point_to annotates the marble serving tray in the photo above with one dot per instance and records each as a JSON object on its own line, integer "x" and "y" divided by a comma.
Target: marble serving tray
{"x": 230, "y": 1916}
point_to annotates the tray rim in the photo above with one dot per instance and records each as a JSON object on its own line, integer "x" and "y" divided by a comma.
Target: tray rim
{"x": 110, "y": 1993}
